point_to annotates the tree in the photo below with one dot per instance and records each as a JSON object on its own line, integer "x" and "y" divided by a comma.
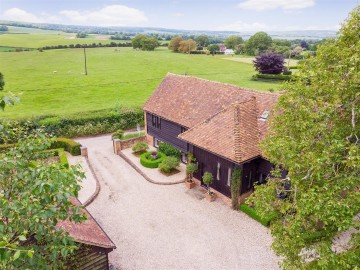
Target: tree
{"x": 4, "y": 28}
{"x": 149, "y": 44}
{"x": 304, "y": 44}
{"x": 269, "y": 63}
{"x": 208, "y": 179}
{"x": 258, "y": 43}
{"x": 235, "y": 188}
{"x": 186, "y": 46}
{"x": 144, "y": 43}
{"x": 34, "y": 197}
{"x": 315, "y": 135}
{"x": 2, "y": 81}
{"x": 202, "y": 41}
{"x": 191, "y": 168}
{"x": 81, "y": 35}
{"x": 296, "y": 52}
{"x": 213, "y": 48}
{"x": 232, "y": 42}
{"x": 137, "y": 40}
{"x": 175, "y": 43}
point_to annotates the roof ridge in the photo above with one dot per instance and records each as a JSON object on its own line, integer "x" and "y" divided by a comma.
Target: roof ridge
{"x": 228, "y": 84}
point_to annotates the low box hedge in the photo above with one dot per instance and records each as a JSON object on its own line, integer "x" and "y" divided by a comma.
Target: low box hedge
{"x": 252, "y": 213}
{"x": 274, "y": 77}
{"x": 151, "y": 163}
{"x": 59, "y": 152}
{"x": 67, "y": 144}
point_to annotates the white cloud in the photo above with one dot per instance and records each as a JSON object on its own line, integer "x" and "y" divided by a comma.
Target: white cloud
{"x": 114, "y": 15}
{"x": 242, "y": 26}
{"x": 17, "y": 14}
{"x": 260, "y": 5}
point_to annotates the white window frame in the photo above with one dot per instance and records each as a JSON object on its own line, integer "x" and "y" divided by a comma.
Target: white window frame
{"x": 229, "y": 177}
{"x": 218, "y": 171}
{"x": 156, "y": 142}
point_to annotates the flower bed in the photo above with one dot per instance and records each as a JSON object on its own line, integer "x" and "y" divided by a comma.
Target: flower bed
{"x": 148, "y": 161}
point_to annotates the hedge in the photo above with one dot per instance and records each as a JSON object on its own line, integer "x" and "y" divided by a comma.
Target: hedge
{"x": 252, "y": 213}
{"x": 293, "y": 67}
{"x": 59, "y": 152}
{"x": 151, "y": 163}
{"x": 276, "y": 77}
{"x": 169, "y": 150}
{"x": 67, "y": 144}
{"x": 90, "y": 123}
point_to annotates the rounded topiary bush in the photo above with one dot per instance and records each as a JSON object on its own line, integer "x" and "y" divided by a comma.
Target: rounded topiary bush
{"x": 147, "y": 161}
{"x": 118, "y": 134}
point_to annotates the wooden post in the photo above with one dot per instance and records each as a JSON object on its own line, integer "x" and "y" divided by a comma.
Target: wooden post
{"x": 84, "y": 151}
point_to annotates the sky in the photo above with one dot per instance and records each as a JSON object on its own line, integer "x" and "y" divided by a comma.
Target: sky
{"x": 219, "y": 15}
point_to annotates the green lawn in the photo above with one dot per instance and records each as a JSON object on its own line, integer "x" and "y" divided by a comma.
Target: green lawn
{"x": 116, "y": 76}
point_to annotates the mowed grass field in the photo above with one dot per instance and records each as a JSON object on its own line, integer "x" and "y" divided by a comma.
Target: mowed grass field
{"x": 36, "y": 38}
{"x": 53, "y": 82}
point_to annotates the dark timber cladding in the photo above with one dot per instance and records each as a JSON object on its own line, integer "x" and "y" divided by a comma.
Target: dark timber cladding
{"x": 89, "y": 257}
{"x": 165, "y": 131}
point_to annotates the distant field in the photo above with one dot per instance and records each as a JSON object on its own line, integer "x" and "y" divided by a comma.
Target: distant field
{"x": 35, "y": 38}
{"x": 250, "y": 60}
{"x": 52, "y": 82}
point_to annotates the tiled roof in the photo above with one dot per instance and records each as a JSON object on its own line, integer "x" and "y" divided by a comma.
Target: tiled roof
{"x": 232, "y": 133}
{"x": 88, "y": 232}
{"x": 189, "y": 101}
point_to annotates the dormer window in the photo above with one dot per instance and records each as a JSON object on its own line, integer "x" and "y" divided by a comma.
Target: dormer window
{"x": 264, "y": 116}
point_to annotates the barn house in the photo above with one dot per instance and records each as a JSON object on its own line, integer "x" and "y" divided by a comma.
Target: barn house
{"x": 220, "y": 124}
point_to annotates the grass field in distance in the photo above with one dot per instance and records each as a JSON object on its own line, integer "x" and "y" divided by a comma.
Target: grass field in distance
{"x": 53, "y": 81}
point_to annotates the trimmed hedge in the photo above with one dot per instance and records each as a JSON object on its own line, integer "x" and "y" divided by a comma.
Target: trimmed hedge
{"x": 59, "y": 152}
{"x": 90, "y": 123}
{"x": 293, "y": 67}
{"x": 151, "y": 163}
{"x": 275, "y": 77}
{"x": 67, "y": 144}
{"x": 252, "y": 213}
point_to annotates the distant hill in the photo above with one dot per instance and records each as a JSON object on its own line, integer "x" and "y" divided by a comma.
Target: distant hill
{"x": 111, "y": 30}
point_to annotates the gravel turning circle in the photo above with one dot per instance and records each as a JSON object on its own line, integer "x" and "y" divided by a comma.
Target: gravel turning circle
{"x": 170, "y": 227}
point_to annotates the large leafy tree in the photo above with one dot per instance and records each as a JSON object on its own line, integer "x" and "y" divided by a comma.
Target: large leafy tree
{"x": 34, "y": 196}
{"x": 258, "y": 43}
{"x": 232, "y": 42}
{"x": 202, "y": 40}
{"x": 315, "y": 136}
{"x": 174, "y": 43}
{"x": 186, "y": 46}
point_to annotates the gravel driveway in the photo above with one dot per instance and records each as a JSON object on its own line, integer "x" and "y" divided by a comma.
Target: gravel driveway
{"x": 170, "y": 227}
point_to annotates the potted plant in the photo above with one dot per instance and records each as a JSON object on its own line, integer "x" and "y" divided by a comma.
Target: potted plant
{"x": 208, "y": 179}
{"x": 191, "y": 168}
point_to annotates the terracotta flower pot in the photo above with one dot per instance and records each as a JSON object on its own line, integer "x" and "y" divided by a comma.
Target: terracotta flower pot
{"x": 210, "y": 197}
{"x": 189, "y": 184}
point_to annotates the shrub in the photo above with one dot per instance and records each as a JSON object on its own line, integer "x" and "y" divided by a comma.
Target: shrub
{"x": 67, "y": 144}
{"x": 4, "y": 147}
{"x": 191, "y": 168}
{"x": 140, "y": 147}
{"x": 235, "y": 188}
{"x": 168, "y": 164}
{"x": 252, "y": 213}
{"x": 208, "y": 179}
{"x": 288, "y": 72}
{"x": 169, "y": 150}
{"x": 59, "y": 152}
{"x": 269, "y": 63}
{"x": 118, "y": 134}
{"x": 148, "y": 162}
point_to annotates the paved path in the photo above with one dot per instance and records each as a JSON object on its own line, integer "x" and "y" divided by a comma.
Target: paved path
{"x": 170, "y": 227}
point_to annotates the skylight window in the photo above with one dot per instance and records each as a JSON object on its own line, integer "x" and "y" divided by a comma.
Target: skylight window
{"x": 264, "y": 116}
